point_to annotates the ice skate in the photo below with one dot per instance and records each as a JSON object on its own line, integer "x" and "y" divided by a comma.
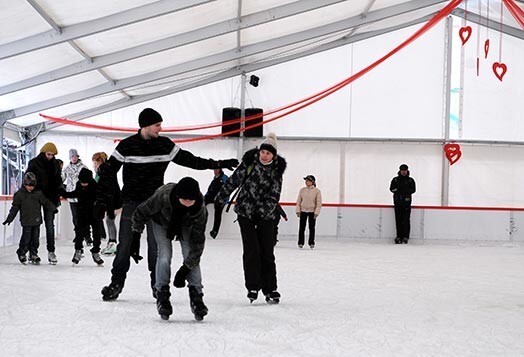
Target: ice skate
{"x": 405, "y": 240}
{"x": 111, "y": 291}
{"x": 163, "y": 305}
{"x": 198, "y": 308}
{"x": 51, "y": 258}
{"x": 301, "y": 246}
{"x": 96, "y": 258}
{"x": 311, "y": 246}
{"x": 213, "y": 234}
{"x": 252, "y": 295}
{"x": 77, "y": 256}
{"x": 398, "y": 240}
{"x": 273, "y": 297}
{"x": 21, "y": 257}
{"x": 110, "y": 249}
{"x": 34, "y": 259}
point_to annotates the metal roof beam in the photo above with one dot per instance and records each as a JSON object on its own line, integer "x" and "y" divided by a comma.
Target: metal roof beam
{"x": 67, "y": 33}
{"x": 494, "y": 25}
{"x": 214, "y": 30}
{"x": 234, "y": 72}
{"x": 222, "y": 57}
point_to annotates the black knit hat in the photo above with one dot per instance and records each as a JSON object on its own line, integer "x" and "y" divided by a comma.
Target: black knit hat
{"x": 148, "y": 117}
{"x": 403, "y": 167}
{"x": 85, "y": 175}
{"x": 29, "y": 179}
{"x": 187, "y": 188}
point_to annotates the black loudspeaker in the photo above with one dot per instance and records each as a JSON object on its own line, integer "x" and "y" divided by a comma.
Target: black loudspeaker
{"x": 258, "y": 131}
{"x": 230, "y": 114}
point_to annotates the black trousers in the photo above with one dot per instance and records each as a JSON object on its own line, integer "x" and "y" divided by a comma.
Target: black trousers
{"x": 29, "y": 241}
{"x": 402, "y": 216}
{"x": 306, "y": 216}
{"x": 217, "y": 219}
{"x": 258, "y": 254}
{"x": 82, "y": 232}
{"x": 121, "y": 263}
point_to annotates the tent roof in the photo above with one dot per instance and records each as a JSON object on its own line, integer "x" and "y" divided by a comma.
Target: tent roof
{"x": 79, "y": 59}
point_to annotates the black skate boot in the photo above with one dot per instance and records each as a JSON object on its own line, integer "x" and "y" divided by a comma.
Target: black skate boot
{"x": 252, "y": 295}
{"x": 77, "y": 256}
{"x": 34, "y": 259}
{"x": 405, "y": 240}
{"x": 21, "y": 257}
{"x": 398, "y": 240}
{"x": 111, "y": 291}
{"x": 96, "y": 258}
{"x": 273, "y": 297}
{"x": 198, "y": 308}
{"x": 163, "y": 305}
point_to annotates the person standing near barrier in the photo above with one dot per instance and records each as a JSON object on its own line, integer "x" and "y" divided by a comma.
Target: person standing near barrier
{"x": 403, "y": 187}
{"x": 259, "y": 182}
{"x": 215, "y": 186}
{"x": 144, "y": 158}
{"x": 309, "y": 203}
{"x": 49, "y": 180}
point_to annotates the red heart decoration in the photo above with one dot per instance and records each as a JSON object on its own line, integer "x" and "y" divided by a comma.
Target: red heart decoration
{"x": 465, "y": 34}
{"x": 453, "y": 153}
{"x": 486, "y": 48}
{"x": 499, "y": 69}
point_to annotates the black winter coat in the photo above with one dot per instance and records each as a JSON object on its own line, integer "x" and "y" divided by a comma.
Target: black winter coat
{"x": 402, "y": 187}
{"x": 30, "y": 206}
{"x": 86, "y": 199}
{"x": 48, "y": 177}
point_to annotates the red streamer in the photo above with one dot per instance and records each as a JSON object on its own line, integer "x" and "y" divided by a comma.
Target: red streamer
{"x": 303, "y": 102}
{"x": 516, "y": 11}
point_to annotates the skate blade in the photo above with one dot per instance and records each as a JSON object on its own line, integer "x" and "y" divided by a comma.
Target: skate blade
{"x": 164, "y": 317}
{"x": 199, "y": 318}
{"x": 272, "y": 302}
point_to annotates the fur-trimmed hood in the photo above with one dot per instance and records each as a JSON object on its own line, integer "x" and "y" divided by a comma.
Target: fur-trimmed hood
{"x": 251, "y": 155}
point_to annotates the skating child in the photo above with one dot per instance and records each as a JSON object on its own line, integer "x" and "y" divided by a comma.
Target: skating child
{"x": 85, "y": 191}
{"x": 29, "y": 202}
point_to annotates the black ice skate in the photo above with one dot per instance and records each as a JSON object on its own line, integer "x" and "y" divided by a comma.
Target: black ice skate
{"x": 273, "y": 297}
{"x": 405, "y": 240}
{"x": 34, "y": 259}
{"x": 163, "y": 305}
{"x": 198, "y": 308}
{"x": 96, "y": 258}
{"x": 77, "y": 256}
{"x": 111, "y": 291}
{"x": 252, "y": 295}
{"x": 51, "y": 258}
{"x": 21, "y": 257}
{"x": 398, "y": 240}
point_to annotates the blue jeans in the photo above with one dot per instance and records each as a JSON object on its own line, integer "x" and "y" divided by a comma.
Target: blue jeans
{"x": 121, "y": 262}
{"x": 163, "y": 263}
{"x": 49, "y": 221}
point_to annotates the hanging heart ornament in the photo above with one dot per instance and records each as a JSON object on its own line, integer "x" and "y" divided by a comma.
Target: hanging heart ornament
{"x": 453, "y": 153}
{"x": 500, "y": 70}
{"x": 465, "y": 34}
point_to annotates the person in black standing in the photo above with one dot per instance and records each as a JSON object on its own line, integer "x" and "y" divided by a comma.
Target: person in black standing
{"x": 402, "y": 186}
{"x": 144, "y": 158}
{"x": 215, "y": 186}
{"x": 48, "y": 179}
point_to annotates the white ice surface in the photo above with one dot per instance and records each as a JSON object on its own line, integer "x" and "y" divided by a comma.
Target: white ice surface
{"x": 341, "y": 299}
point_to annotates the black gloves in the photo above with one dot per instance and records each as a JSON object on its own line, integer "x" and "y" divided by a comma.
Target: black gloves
{"x": 135, "y": 247}
{"x": 180, "y": 276}
{"x": 229, "y": 164}
{"x": 6, "y": 222}
{"x": 99, "y": 210}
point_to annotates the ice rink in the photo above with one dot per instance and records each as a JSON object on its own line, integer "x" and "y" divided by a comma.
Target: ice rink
{"x": 341, "y": 299}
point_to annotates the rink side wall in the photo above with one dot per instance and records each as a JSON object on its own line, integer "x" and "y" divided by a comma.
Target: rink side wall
{"x": 367, "y": 223}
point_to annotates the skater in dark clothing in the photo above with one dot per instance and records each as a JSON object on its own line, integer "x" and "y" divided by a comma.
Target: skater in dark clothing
{"x": 402, "y": 186}
{"x": 85, "y": 192}
{"x": 144, "y": 158}
{"x": 29, "y": 202}
{"x": 276, "y": 222}
{"x": 259, "y": 178}
{"x": 49, "y": 181}
{"x": 216, "y": 184}
{"x": 176, "y": 211}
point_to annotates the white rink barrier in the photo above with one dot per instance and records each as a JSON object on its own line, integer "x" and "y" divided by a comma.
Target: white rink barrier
{"x": 349, "y": 222}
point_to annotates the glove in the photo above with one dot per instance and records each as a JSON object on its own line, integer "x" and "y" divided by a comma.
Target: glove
{"x": 285, "y": 218}
{"x": 111, "y": 214}
{"x": 229, "y": 164}
{"x": 6, "y": 222}
{"x": 135, "y": 247}
{"x": 180, "y": 276}
{"x": 298, "y": 214}
{"x": 99, "y": 210}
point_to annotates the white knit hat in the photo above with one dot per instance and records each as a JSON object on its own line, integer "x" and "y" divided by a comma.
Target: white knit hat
{"x": 270, "y": 144}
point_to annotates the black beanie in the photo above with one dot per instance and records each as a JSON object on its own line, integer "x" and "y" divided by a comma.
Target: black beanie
{"x": 29, "y": 179}
{"x": 149, "y": 117}
{"x": 85, "y": 175}
{"x": 403, "y": 167}
{"x": 187, "y": 188}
